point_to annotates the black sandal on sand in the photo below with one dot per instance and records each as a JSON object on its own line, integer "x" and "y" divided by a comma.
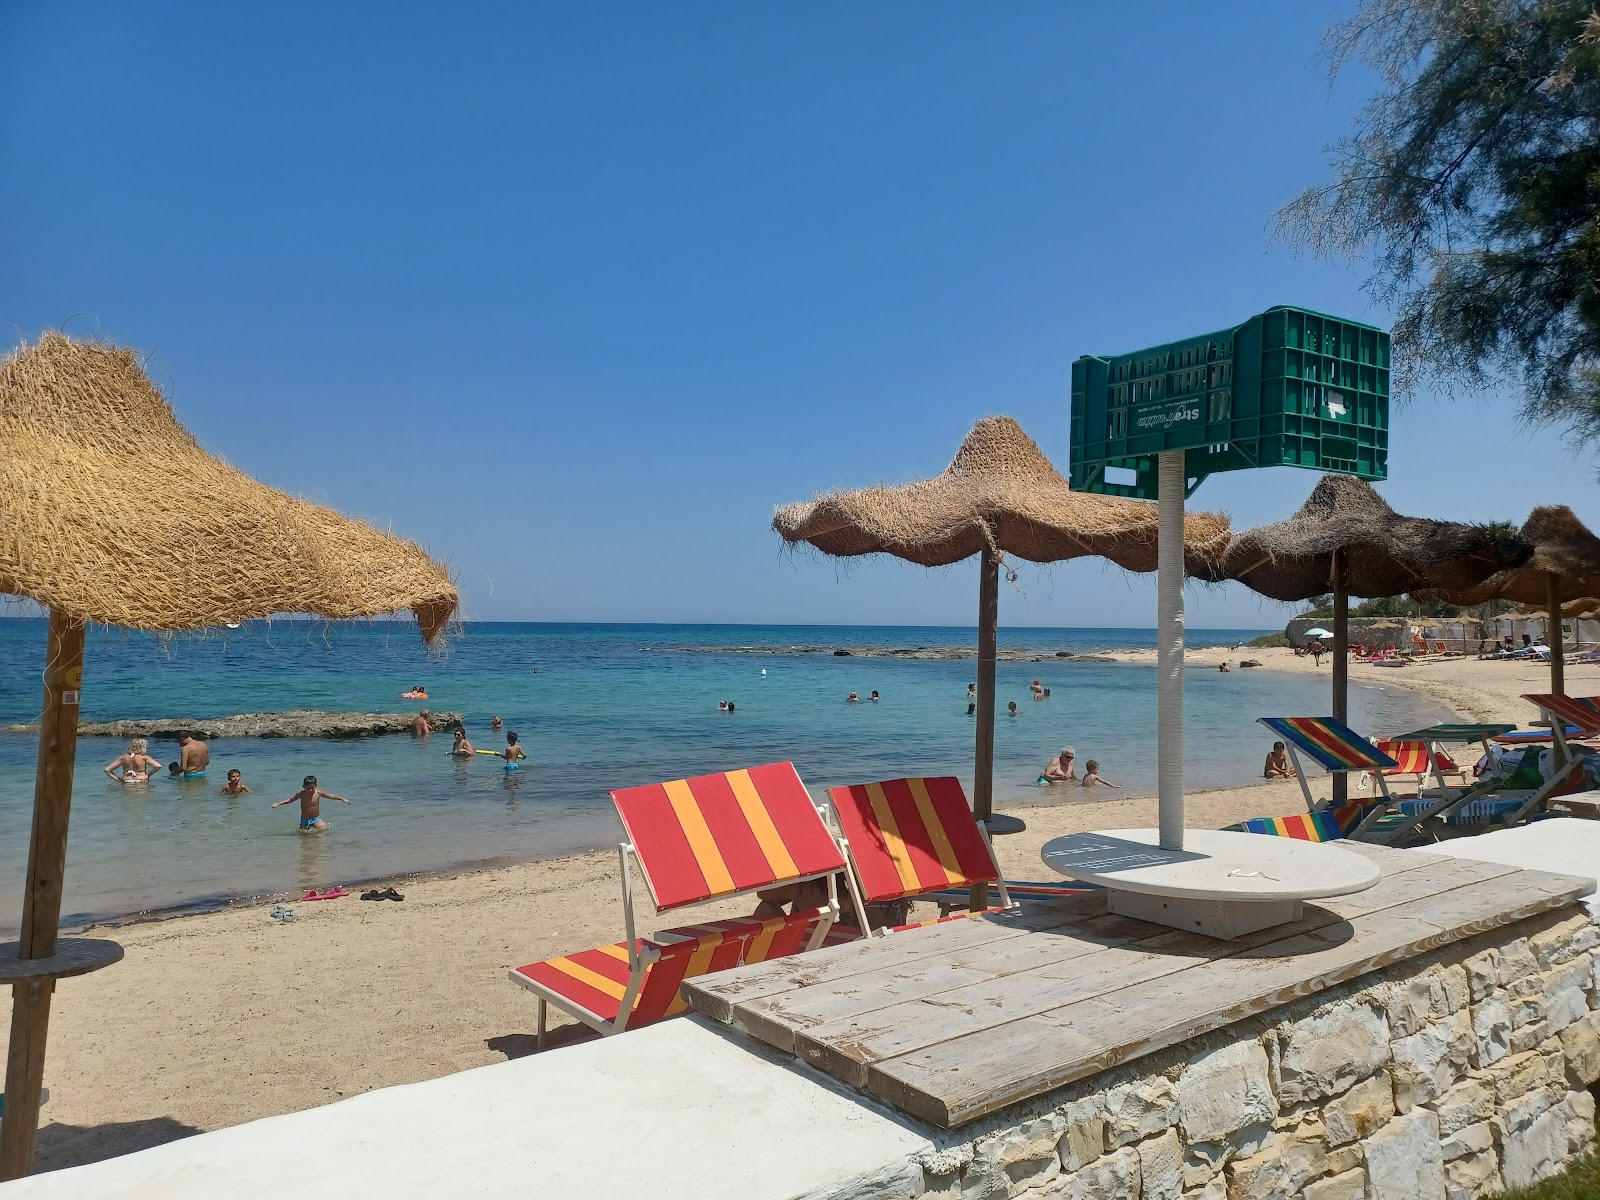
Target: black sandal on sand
{"x": 374, "y": 894}
{"x": 390, "y": 894}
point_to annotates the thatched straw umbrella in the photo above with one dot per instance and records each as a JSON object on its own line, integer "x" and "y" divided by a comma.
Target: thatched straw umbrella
{"x": 1564, "y": 565}
{"x": 1346, "y": 540}
{"x": 110, "y": 512}
{"x": 1000, "y": 495}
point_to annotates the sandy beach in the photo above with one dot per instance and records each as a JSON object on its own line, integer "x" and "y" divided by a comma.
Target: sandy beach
{"x": 219, "y": 1018}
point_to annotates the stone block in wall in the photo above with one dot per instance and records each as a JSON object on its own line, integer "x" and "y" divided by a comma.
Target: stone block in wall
{"x": 1137, "y": 1110}
{"x": 1408, "y": 1003}
{"x": 1360, "y": 1111}
{"x": 1518, "y": 1075}
{"x": 1578, "y": 1108}
{"x": 1085, "y": 1138}
{"x": 1021, "y": 1157}
{"x": 1566, "y": 993}
{"x": 1348, "y": 1185}
{"x": 1161, "y": 1167}
{"x": 1565, "y": 941}
{"x": 1278, "y": 1172}
{"x": 1404, "y": 1159}
{"x": 1428, "y": 1063}
{"x": 1217, "y": 1189}
{"x": 1580, "y": 1047}
{"x": 1515, "y": 961}
{"x": 1483, "y": 974}
{"x": 1467, "y": 1141}
{"x": 1112, "y": 1177}
{"x": 1531, "y": 1135}
{"x": 1326, "y": 1054}
{"x": 1473, "y": 1178}
{"x": 1344, "y": 1158}
{"x": 1224, "y": 1091}
{"x": 1469, "y": 1102}
{"x": 1491, "y": 1025}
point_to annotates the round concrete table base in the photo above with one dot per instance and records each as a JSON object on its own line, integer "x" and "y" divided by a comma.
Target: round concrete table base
{"x": 1222, "y": 884}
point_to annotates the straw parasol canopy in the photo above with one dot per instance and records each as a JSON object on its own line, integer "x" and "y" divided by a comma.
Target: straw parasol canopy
{"x": 1002, "y": 494}
{"x": 1563, "y": 550}
{"x": 1386, "y": 554}
{"x": 113, "y": 513}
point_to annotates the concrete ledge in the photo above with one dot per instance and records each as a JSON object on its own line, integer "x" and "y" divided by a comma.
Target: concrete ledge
{"x": 673, "y": 1112}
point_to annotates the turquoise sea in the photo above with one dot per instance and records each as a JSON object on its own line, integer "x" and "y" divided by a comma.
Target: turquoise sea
{"x": 598, "y": 707}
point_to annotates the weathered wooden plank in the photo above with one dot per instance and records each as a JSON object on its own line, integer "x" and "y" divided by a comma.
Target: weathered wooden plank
{"x": 845, "y": 1046}
{"x": 717, "y": 996}
{"x": 775, "y": 1019}
{"x": 956, "y": 1081}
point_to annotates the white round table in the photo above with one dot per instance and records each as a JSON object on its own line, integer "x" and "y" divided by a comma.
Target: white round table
{"x": 1222, "y": 883}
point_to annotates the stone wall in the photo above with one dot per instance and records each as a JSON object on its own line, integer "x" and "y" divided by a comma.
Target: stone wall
{"x": 1449, "y": 1077}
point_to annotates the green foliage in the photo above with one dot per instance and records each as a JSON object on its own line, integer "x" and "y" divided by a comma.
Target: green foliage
{"x": 1472, "y": 186}
{"x": 1322, "y": 614}
{"x": 1268, "y": 641}
{"x": 1580, "y": 1181}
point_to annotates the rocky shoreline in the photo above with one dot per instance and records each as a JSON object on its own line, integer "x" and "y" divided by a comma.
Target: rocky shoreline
{"x": 300, "y": 723}
{"x": 915, "y": 652}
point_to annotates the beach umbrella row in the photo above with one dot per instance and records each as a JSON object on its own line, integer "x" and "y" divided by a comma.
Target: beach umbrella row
{"x": 999, "y": 496}
{"x": 111, "y": 512}
{"x": 1563, "y": 565}
{"x": 1345, "y": 539}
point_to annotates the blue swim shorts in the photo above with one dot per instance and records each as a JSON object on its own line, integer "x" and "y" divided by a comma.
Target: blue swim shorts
{"x": 194, "y": 774}
{"x": 309, "y": 822}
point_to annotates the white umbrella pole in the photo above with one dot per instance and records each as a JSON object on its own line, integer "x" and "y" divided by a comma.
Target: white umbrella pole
{"x": 1169, "y": 650}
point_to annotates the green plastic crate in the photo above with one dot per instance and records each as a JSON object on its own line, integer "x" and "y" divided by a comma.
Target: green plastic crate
{"x": 1289, "y": 387}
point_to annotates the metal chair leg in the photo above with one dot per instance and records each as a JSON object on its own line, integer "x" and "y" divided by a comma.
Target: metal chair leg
{"x": 538, "y": 1043}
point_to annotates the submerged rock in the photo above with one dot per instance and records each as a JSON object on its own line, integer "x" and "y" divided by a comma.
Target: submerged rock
{"x": 301, "y": 723}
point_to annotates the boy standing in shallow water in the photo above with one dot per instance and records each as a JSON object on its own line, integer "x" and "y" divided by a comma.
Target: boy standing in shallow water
{"x": 235, "y": 785}
{"x": 310, "y": 797}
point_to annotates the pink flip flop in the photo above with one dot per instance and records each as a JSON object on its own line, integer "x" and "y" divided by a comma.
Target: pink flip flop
{"x": 333, "y": 893}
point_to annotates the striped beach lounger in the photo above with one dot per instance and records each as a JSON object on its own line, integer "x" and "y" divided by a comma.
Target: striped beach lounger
{"x": 914, "y": 838}
{"x": 694, "y": 840}
{"x": 1328, "y": 825}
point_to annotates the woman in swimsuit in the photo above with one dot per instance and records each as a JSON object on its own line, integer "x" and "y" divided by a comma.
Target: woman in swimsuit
{"x": 136, "y": 765}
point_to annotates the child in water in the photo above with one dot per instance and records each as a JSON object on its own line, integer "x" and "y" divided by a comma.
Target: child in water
{"x": 1091, "y": 776}
{"x": 235, "y": 785}
{"x": 514, "y": 752}
{"x": 310, "y": 797}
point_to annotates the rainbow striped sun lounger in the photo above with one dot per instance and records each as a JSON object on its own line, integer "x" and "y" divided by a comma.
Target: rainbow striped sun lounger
{"x": 707, "y": 838}
{"x": 1328, "y": 825}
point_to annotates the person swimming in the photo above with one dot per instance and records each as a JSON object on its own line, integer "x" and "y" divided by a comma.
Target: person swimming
{"x": 852, "y": 698}
{"x": 513, "y": 752}
{"x": 462, "y": 748}
{"x": 873, "y": 697}
{"x": 1011, "y": 708}
{"x": 494, "y": 722}
{"x": 235, "y": 785}
{"x": 417, "y": 693}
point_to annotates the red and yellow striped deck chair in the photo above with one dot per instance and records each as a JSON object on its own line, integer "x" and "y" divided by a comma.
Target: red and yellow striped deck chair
{"x": 707, "y": 838}
{"x": 1412, "y": 759}
{"x": 1326, "y": 825}
{"x": 913, "y": 837}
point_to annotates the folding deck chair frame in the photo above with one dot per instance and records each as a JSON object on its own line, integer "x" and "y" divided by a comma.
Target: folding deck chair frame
{"x": 689, "y": 830}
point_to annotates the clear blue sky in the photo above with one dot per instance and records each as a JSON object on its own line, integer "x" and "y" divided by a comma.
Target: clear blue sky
{"x": 575, "y": 294}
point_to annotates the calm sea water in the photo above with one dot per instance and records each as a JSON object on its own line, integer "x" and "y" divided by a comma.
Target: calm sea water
{"x": 598, "y": 707}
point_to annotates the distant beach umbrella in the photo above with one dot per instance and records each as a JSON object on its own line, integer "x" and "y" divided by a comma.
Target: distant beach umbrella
{"x": 1564, "y": 565}
{"x": 1318, "y": 632}
{"x": 1345, "y": 539}
{"x": 111, "y": 512}
{"x": 999, "y": 496}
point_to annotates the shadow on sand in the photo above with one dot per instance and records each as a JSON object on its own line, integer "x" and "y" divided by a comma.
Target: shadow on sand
{"x": 73, "y": 1145}
{"x": 520, "y": 1045}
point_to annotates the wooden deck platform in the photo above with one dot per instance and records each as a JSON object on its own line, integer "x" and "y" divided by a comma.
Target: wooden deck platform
{"x": 955, "y": 1021}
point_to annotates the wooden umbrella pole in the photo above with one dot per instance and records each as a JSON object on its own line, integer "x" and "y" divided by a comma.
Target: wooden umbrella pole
{"x": 1341, "y": 662}
{"x": 41, "y": 903}
{"x": 983, "y": 756}
{"x": 1558, "y": 661}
